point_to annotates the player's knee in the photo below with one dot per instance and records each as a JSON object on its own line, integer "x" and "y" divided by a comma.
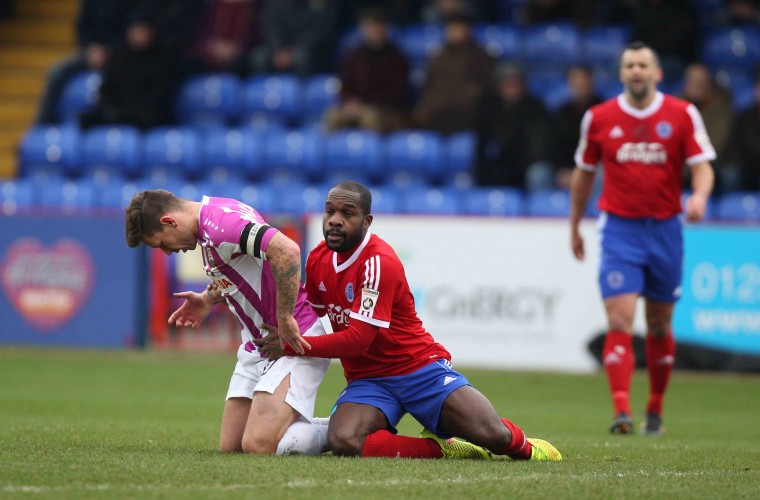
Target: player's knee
{"x": 259, "y": 445}
{"x": 343, "y": 443}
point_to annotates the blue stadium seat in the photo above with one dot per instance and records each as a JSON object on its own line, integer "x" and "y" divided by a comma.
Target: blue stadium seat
{"x": 546, "y": 81}
{"x": 461, "y": 149}
{"x": 261, "y": 197}
{"x": 385, "y": 200}
{"x": 295, "y": 153}
{"x": 420, "y": 41}
{"x": 501, "y": 41}
{"x": 354, "y": 152}
{"x": 609, "y": 89}
{"x": 172, "y": 153}
{"x": 67, "y": 197}
{"x": 740, "y": 206}
{"x": 110, "y": 151}
{"x": 553, "y": 44}
{"x": 115, "y": 196}
{"x": 548, "y": 203}
{"x": 80, "y": 94}
{"x": 297, "y": 198}
{"x": 741, "y": 85}
{"x": 732, "y": 48}
{"x": 279, "y": 97}
{"x": 321, "y": 92}
{"x": 493, "y": 201}
{"x": 431, "y": 200}
{"x": 415, "y": 156}
{"x": 211, "y": 99}
{"x": 557, "y": 95}
{"x": 16, "y": 195}
{"x": 233, "y": 153}
{"x": 603, "y": 45}
{"x": 50, "y": 150}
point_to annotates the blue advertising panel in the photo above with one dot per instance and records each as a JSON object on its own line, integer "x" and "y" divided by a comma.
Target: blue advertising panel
{"x": 720, "y": 304}
{"x": 68, "y": 282}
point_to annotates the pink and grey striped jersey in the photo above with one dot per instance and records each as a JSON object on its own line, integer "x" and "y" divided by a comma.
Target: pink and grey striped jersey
{"x": 234, "y": 239}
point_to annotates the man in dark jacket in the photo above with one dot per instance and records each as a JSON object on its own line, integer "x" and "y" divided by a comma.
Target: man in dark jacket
{"x": 100, "y": 30}
{"x": 137, "y": 84}
{"x": 299, "y": 37}
{"x": 374, "y": 80}
{"x": 513, "y": 134}
{"x": 456, "y": 81}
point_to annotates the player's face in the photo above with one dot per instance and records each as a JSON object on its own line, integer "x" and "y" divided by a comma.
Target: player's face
{"x": 171, "y": 239}
{"x": 639, "y": 73}
{"x": 344, "y": 225}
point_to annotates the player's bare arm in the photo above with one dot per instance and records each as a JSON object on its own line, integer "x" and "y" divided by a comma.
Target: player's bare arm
{"x": 285, "y": 258}
{"x": 702, "y": 180}
{"x": 581, "y": 183}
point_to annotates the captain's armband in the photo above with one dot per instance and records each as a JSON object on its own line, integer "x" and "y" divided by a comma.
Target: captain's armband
{"x": 250, "y": 239}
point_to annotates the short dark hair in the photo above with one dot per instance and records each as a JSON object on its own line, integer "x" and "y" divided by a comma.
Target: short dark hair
{"x": 365, "y": 197}
{"x": 639, "y": 45}
{"x": 144, "y": 214}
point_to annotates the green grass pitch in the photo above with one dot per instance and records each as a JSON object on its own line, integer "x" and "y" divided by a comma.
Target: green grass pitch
{"x": 77, "y": 424}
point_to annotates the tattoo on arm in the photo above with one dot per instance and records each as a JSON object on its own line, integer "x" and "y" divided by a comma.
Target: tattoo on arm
{"x": 285, "y": 259}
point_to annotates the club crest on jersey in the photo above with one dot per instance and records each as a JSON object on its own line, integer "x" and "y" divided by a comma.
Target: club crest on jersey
{"x": 664, "y": 129}
{"x": 350, "y": 292}
{"x": 210, "y": 258}
{"x": 369, "y": 299}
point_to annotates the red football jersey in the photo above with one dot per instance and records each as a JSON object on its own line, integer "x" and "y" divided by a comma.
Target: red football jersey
{"x": 643, "y": 152}
{"x": 371, "y": 286}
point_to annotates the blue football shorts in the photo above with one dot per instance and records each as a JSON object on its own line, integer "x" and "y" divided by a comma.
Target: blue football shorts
{"x": 420, "y": 393}
{"x": 642, "y": 256}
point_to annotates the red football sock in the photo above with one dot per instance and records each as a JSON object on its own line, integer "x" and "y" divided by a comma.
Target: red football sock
{"x": 660, "y": 354}
{"x": 619, "y": 361}
{"x": 386, "y": 444}
{"x": 519, "y": 448}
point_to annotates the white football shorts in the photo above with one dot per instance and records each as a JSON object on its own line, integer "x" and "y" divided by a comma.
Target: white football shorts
{"x": 253, "y": 373}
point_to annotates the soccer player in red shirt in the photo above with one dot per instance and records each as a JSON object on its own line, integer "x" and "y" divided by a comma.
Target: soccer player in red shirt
{"x": 641, "y": 138}
{"x": 391, "y": 363}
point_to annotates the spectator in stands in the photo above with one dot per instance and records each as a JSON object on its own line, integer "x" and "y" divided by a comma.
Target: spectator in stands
{"x": 546, "y": 11}
{"x": 228, "y": 33}
{"x": 714, "y": 104}
{"x": 100, "y": 30}
{"x": 398, "y": 12}
{"x": 374, "y": 80}
{"x": 568, "y": 122}
{"x": 513, "y": 135}
{"x": 299, "y": 37}
{"x": 670, "y": 27}
{"x": 436, "y": 11}
{"x": 740, "y": 13}
{"x": 746, "y": 144}
{"x": 175, "y": 22}
{"x": 457, "y": 80}
{"x": 7, "y": 9}
{"x": 139, "y": 82}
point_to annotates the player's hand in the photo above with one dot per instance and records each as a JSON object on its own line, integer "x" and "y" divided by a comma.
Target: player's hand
{"x": 192, "y": 312}
{"x": 290, "y": 333}
{"x": 696, "y": 207}
{"x": 269, "y": 346}
{"x": 576, "y": 244}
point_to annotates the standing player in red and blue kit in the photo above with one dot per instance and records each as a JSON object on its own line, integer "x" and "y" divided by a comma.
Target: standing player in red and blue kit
{"x": 392, "y": 364}
{"x": 641, "y": 138}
